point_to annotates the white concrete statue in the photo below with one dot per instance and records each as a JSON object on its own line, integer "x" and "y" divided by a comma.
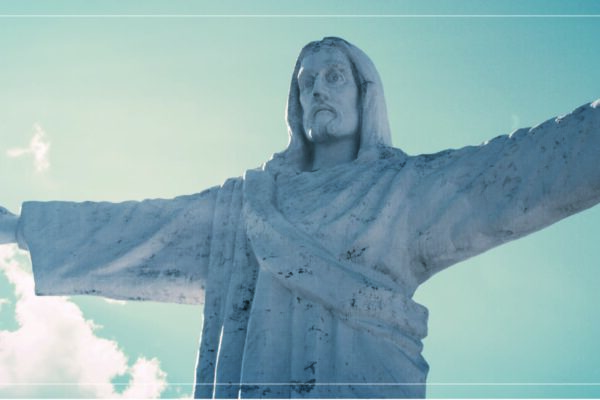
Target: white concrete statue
{"x": 307, "y": 266}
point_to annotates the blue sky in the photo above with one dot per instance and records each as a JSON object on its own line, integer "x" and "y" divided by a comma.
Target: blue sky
{"x": 134, "y": 107}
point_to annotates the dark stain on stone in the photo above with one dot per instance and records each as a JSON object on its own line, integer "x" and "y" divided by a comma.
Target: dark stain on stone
{"x": 245, "y": 305}
{"x": 304, "y": 387}
{"x": 173, "y": 272}
{"x": 311, "y": 366}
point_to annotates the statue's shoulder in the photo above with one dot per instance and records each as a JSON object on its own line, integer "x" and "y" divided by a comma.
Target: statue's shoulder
{"x": 390, "y": 153}
{"x": 459, "y": 159}
{"x": 393, "y": 158}
{"x": 441, "y": 160}
{"x": 438, "y": 157}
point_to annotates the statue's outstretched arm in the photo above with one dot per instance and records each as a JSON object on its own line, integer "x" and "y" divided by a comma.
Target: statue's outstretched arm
{"x": 143, "y": 250}
{"x": 8, "y": 226}
{"x": 479, "y": 197}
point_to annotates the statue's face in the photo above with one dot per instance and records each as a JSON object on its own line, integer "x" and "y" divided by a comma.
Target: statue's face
{"x": 329, "y": 96}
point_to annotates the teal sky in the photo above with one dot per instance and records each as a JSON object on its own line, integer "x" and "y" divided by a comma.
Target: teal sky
{"x": 142, "y": 107}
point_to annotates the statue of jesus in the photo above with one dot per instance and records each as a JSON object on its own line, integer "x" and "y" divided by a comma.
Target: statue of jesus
{"x": 307, "y": 265}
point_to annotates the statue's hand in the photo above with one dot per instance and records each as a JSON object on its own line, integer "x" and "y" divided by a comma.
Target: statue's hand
{"x": 8, "y": 226}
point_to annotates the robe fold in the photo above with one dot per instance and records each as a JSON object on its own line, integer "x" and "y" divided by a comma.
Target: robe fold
{"x": 307, "y": 278}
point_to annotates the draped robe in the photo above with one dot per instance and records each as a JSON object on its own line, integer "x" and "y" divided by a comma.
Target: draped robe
{"x": 307, "y": 278}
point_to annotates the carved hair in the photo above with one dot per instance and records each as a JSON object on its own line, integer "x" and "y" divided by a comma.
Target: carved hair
{"x": 374, "y": 127}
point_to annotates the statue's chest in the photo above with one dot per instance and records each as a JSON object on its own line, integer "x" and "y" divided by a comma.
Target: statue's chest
{"x": 334, "y": 209}
{"x": 359, "y": 217}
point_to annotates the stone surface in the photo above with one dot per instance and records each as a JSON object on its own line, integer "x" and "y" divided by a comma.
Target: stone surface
{"x": 8, "y": 226}
{"x": 307, "y": 270}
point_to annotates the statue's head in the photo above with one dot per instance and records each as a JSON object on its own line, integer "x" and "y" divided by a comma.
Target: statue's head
{"x": 335, "y": 92}
{"x": 329, "y": 95}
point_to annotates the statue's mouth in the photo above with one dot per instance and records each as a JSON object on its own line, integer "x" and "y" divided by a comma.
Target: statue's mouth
{"x": 320, "y": 109}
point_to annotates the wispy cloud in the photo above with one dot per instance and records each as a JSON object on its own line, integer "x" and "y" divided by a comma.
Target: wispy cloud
{"x": 39, "y": 146}
{"x": 55, "y": 352}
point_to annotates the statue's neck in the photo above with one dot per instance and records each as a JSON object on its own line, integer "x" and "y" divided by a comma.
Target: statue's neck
{"x": 335, "y": 152}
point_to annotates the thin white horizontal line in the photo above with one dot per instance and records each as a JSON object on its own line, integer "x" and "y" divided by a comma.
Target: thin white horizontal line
{"x": 299, "y": 15}
{"x": 320, "y": 384}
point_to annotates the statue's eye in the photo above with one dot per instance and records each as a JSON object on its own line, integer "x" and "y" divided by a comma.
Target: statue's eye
{"x": 335, "y": 77}
{"x": 306, "y": 82}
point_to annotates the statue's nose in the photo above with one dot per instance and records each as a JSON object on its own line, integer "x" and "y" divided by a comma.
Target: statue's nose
{"x": 320, "y": 89}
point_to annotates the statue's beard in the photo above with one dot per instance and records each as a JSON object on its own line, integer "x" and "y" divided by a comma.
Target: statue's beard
{"x": 324, "y": 126}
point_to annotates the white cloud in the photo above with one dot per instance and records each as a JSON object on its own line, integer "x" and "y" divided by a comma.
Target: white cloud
{"x": 39, "y": 147}
{"x": 144, "y": 382}
{"x": 55, "y": 352}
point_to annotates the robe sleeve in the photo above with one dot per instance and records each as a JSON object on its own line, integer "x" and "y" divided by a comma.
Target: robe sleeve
{"x": 140, "y": 250}
{"x": 478, "y": 197}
